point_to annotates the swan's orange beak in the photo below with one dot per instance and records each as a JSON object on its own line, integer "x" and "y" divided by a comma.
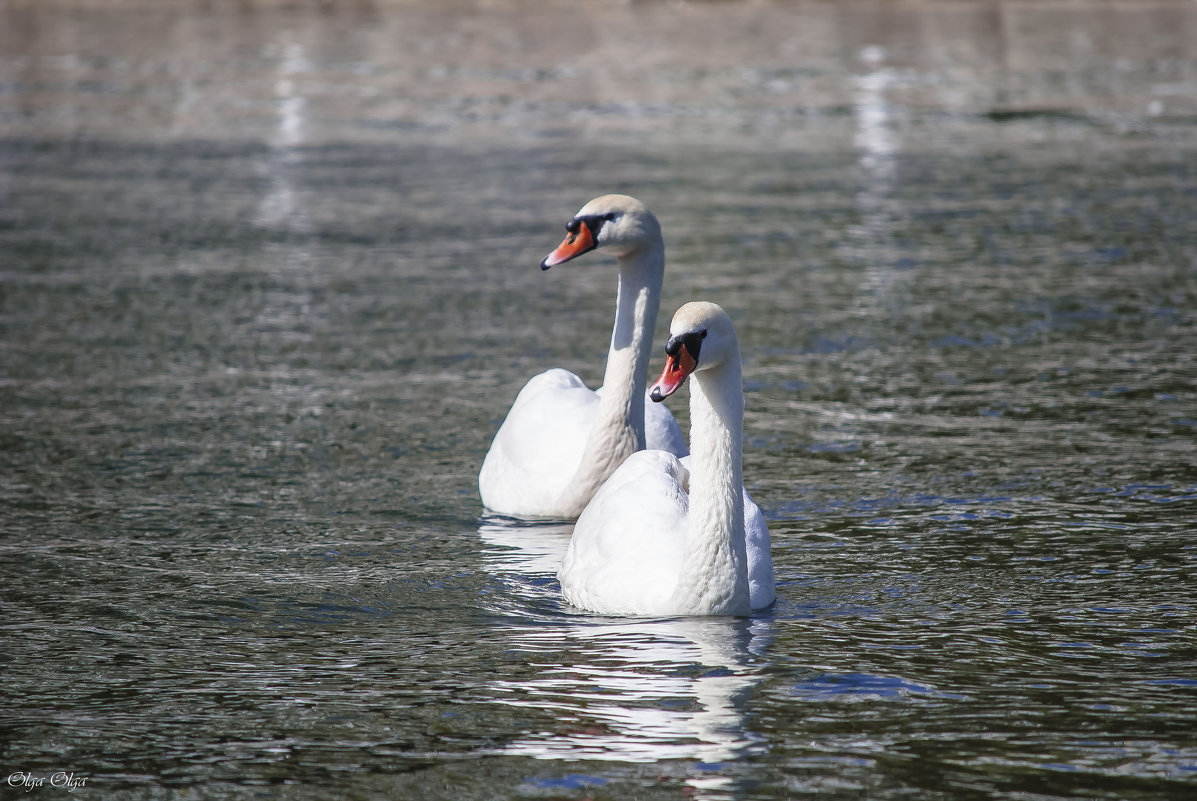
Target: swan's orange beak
{"x": 579, "y": 240}
{"x": 678, "y": 365}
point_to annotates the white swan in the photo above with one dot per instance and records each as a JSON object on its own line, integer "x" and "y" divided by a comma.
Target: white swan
{"x": 561, "y": 440}
{"x": 665, "y": 538}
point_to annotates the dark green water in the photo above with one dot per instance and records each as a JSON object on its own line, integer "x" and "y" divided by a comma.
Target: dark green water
{"x": 268, "y": 284}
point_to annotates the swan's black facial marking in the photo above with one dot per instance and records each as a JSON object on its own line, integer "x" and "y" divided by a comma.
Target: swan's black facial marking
{"x": 592, "y": 221}
{"x": 692, "y": 342}
{"x": 582, "y": 237}
{"x": 582, "y": 234}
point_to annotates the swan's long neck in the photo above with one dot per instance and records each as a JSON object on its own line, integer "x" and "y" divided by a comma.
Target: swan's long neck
{"x": 714, "y": 572}
{"x": 618, "y": 430}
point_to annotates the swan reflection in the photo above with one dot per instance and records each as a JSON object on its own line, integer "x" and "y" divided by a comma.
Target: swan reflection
{"x": 524, "y": 548}
{"x": 627, "y": 689}
{"x": 642, "y": 690}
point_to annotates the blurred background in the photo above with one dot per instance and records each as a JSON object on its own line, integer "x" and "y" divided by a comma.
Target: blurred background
{"x": 269, "y": 283}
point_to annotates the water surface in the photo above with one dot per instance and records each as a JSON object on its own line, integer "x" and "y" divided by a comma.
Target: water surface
{"x": 268, "y": 284}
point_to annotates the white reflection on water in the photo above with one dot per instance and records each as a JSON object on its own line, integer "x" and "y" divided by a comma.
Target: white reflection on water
{"x": 878, "y": 148}
{"x": 643, "y": 690}
{"x": 529, "y": 549}
{"x": 628, "y": 689}
{"x": 874, "y": 137}
{"x": 280, "y": 205}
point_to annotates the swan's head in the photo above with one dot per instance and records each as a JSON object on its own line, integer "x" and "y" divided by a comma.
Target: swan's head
{"x": 701, "y": 336}
{"x": 618, "y": 222}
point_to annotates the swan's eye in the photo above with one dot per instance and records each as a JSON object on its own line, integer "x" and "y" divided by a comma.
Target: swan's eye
{"x": 704, "y": 333}
{"x": 609, "y": 216}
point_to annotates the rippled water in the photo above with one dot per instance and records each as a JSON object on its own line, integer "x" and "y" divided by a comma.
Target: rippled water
{"x": 268, "y": 284}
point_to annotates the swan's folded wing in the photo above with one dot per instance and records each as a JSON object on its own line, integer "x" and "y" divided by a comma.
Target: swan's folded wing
{"x": 623, "y": 556}
{"x": 762, "y": 589}
{"x": 539, "y": 446}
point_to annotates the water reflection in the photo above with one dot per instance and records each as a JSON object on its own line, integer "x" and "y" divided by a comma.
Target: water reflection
{"x": 874, "y": 137}
{"x": 280, "y": 205}
{"x": 875, "y": 239}
{"x": 644, "y": 691}
{"x": 524, "y": 548}
{"x": 626, "y": 689}
{"x": 251, "y": 364}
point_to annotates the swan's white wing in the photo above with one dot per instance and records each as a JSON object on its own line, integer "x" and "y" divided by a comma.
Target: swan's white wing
{"x": 539, "y": 446}
{"x": 761, "y": 586}
{"x": 624, "y": 556}
{"x": 661, "y": 431}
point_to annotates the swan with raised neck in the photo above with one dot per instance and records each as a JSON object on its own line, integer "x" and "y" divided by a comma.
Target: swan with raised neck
{"x": 664, "y": 538}
{"x": 561, "y": 441}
